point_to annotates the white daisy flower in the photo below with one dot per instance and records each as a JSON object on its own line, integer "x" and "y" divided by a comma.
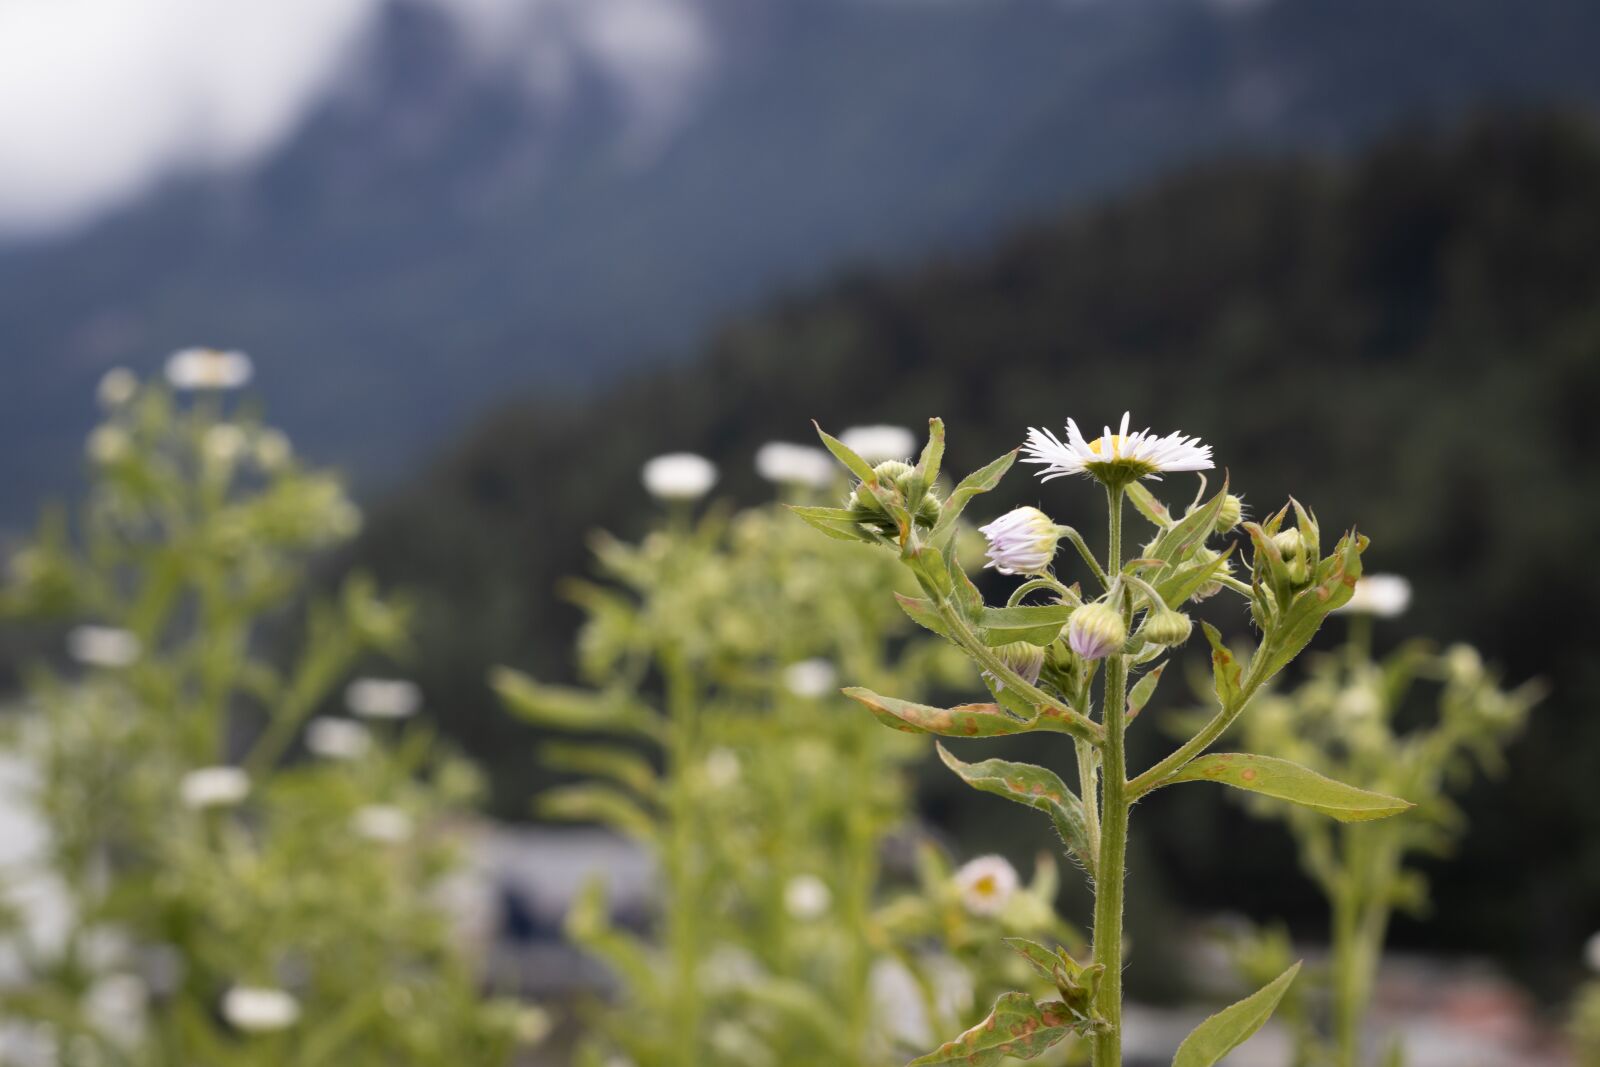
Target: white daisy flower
{"x": 383, "y": 698}
{"x": 102, "y": 646}
{"x": 722, "y": 768}
{"x": 213, "y": 787}
{"x": 782, "y": 463}
{"x": 208, "y": 368}
{"x": 117, "y": 387}
{"x": 878, "y": 443}
{"x": 678, "y": 476}
{"x": 334, "y": 738}
{"x": 256, "y": 1009}
{"x": 223, "y": 443}
{"x": 986, "y": 884}
{"x": 1382, "y": 595}
{"x": 807, "y": 897}
{"x": 1115, "y": 458}
{"x": 383, "y": 823}
{"x": 809, "y": 678}
{"x": 1022, "y": 541}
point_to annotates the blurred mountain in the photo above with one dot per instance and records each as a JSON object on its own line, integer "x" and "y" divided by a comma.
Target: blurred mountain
{"x": 443, "y": 228}
{"x": 1410, "y": 342}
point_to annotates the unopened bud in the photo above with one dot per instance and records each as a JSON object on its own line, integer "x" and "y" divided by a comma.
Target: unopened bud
{"x": 1202, "y": 556}
{"x": 895, "y": 474}
{"x": 1021, "y": 541}
{"x": 1096, "y": 630}
{"x": 1231, "y": 515}
{"x": 1024, "y": 658}
{"x": 1290, "y": 544}
{"x": 1166, "y": 627}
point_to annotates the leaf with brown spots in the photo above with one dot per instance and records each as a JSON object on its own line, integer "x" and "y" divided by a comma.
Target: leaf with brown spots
{"x": 964, "y": 720}
{"x": 1016, "y": 1027}
{"x": 1038, "y": 788}
{"x": 1283, "y": 780}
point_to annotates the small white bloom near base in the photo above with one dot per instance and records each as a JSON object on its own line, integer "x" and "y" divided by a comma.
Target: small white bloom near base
{"x": 108, "y": 444}
{"x": 209, "y": 369}
{"x": 875, "y": 444}
{"x": 223, "y": 443}
{"x": 807, "y": 897}
{"x": 809, "y": 678}
{"x": 722, "y": 768}
{"x": 382, "y": 698}
{"x": 384, "y": 823}
{"x": 678, "y": 476}
{"x": 335, "y": 738}
{"x": 986, "y": 884}
{"x": 1381, "y": 595}
{"x": 213, "y": 787}
{"x": 782, "y": 463}
{"x": 1022, "y": 541}
{"x": 102, "y": 646}
{"x": 1115, "y": 458}
{"x": 256, "y": 1009}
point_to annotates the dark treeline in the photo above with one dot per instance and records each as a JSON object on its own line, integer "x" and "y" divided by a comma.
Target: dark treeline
{"x": 1411, "y": 340}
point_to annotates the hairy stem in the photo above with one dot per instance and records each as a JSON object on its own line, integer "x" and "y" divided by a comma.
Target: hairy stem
{"x": 1110, "y": 867}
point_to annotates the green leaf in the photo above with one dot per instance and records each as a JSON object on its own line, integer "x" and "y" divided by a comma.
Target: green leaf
{"x": 565, "y": 708}
{"x": 1183, "y": 583}
{"x": 1016, "y": 1027}
{"x": 590, "y": 802}
{"x": 923, "y": 612}
{"x": 1036, "y": 624}
{"x": 979, "y": 481}
{"x": 624, "y": 766}
{"x": 1226, "y": 673}
{"x": 967, "y": 720}
{"x": 1076, "y": 982}
{"x": 931, "y": 571}
{"x": 1038, "y": 788}
{"x": 1143, "y": 690}
{"x": 1233, "y": 1026}
{"x": 838, "y": 523}
{"x": 1148, "y": 506}
{"x": 843, "y": 453}
{"x": 1279, "y": 778}
{"x": 1188, "y": 533}
{"x": 926, "y": 471}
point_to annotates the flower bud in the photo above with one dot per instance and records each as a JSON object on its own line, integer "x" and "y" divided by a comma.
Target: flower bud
{"x": 1166, "y": 627}
{"x": 1024, "y": 658}
{"x": 1021, "y": 541}
{"x": 1231, "y": 515}
{"x": 1204, "y": 555}
{"x": 1096, "y": 630}
{"x": 1292, "y": 547}
{"x": 895, "y": 474}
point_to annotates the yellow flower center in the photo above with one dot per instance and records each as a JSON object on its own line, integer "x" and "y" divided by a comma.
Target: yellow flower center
{"x": 1116, "y": 441}
{"x": 985, "y": 886}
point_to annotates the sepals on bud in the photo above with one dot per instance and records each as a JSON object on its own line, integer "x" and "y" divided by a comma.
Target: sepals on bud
{"x": 1164, "y": 626}
{"x": 1022, "y": 541}
{"x": 1231, "y": 515}
{"x": 1096, "y": 631}
{"x": 894, "y": 477}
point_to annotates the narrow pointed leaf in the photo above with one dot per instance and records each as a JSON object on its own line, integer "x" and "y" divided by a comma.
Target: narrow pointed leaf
{"x": 926, "y": 471}
{"x": 1283, "y": 780}
{"x": 979, "y": 481}
{"x": 1190, "y": 531}
{"x": 1233, "y": 1026}
{"x": 1148, "y": 506}
{"x": 1226, "y": 673}
{"x": 843, "y": 453}
{"x": 624, "y": 766}
{"x": 1038, "y": 788}
{"x": 838, "y": 523}
{"x": 566, "y": 708}
{"x": 591, "y": 802}
{"x": 922, "y": 611}
{"x": 1036, "y": 624}
{"x": 1016, "y": 1027}
{"x": 966, "y": 720}
{"x": 1143, "y": 690}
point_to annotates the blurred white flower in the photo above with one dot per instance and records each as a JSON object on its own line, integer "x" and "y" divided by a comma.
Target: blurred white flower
{"x": 117, "y": 387}
{"x": 878, "y": 443}
{"x": 102, "y": 646}
{"x": 383, "y": 823}
{"x": 722, "y": 767}
{"x": 679, "y": 476}
{"x": 1115, "y": 455}
{"x": 214, "y": 787}
{"x": 208, "y": 368}
{"x": 785, "y": 464}
{"x": 807, "y": 897}
{"x": 255, "y": 1009}
{"x": 809, "y": 678}
{"x": 107, "y": 444}
{"x": 986, "y": 884}
{"x": 335, "y": 738}
{"x": 115, "y": 1007}
{"x": 383, "y": 698}
{"x": 273, "y": 449}
{"x": 1591, "y": 953}
{"x": 1382, "y": 595}
{"x": 223, "y": 443}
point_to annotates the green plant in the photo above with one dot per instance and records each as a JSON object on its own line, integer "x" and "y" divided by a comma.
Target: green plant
{"x": 1041, "y": 661}
{"x": 226, "y": 902}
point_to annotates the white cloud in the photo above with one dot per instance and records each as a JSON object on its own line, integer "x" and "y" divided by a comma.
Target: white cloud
{"x": 101, "y": 99}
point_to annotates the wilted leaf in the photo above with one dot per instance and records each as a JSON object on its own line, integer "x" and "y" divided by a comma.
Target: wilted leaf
{"x": 1016, "y": 1027}
{"x": 1038, "y": 788}
{"x": 965, "y": 720}
{"x": 1225, "y": 670}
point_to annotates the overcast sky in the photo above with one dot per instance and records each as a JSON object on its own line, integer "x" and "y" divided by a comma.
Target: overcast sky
{"x": 100, "y": 99}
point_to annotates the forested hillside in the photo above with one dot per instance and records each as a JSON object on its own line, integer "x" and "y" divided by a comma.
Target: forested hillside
{"x": 1419, "y": 328}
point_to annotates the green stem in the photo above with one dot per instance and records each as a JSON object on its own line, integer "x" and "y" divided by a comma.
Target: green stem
{"x": 1110, "y": 868}
{"x": 683, "y": 892}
